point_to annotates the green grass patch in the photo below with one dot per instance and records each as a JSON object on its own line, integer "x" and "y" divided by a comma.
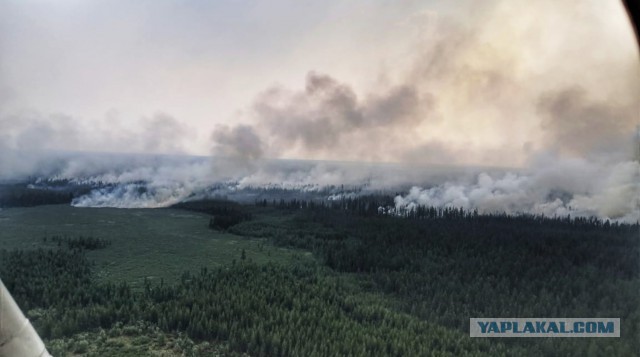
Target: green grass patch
{"x": 146, "y": 243}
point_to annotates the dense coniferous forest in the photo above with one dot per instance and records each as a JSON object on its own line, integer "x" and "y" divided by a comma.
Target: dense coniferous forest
{"x": 30, "y": 193}
{"x": 447, "y": 265}
{"x": 400, "y": 284}
{"x": 21, "y": 196}
{"x": 263, "y": 310}
{"x": 224, "y": 213}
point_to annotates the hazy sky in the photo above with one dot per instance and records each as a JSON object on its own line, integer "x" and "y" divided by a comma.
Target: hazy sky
{"x": 485, "y": 82}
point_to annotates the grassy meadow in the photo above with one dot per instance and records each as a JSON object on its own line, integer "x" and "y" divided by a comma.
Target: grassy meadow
{"x": 146, "y": 243}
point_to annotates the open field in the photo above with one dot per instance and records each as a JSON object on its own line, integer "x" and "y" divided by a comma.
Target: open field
{"x": 146, "y": 243}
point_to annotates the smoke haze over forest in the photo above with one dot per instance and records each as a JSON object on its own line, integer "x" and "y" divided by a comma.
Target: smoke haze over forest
{"x": 496, "y": 105}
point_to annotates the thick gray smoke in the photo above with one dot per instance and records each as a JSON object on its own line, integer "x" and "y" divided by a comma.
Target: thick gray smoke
{"x": 579, "y": 126}
{"x": 470, "y": 94}
{"x": 542, "y": 101}
{"x": 240, "y": 143}
{"x": 237, "y": 151}
{"x": 31, "y": 143}
{"x": 326, "y": 115}
{"x": 323, "y": 120}
{"x": 568, "y": 188}
{"x": 548, "y": 101}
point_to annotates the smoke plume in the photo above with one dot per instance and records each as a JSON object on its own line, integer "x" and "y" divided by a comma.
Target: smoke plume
{"x": 508, "y": 106}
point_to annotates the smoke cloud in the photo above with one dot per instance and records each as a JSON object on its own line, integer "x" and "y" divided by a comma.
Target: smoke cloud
{"x": 579, "y": 126}
{"x": 507, "y": 106}
{"x": 561, "y": 190}
{"x": 324, "y": 117}
{"x": 564, "y": 116}
{"x": 31, "y": 143}
{"x": 470, "y": 94}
